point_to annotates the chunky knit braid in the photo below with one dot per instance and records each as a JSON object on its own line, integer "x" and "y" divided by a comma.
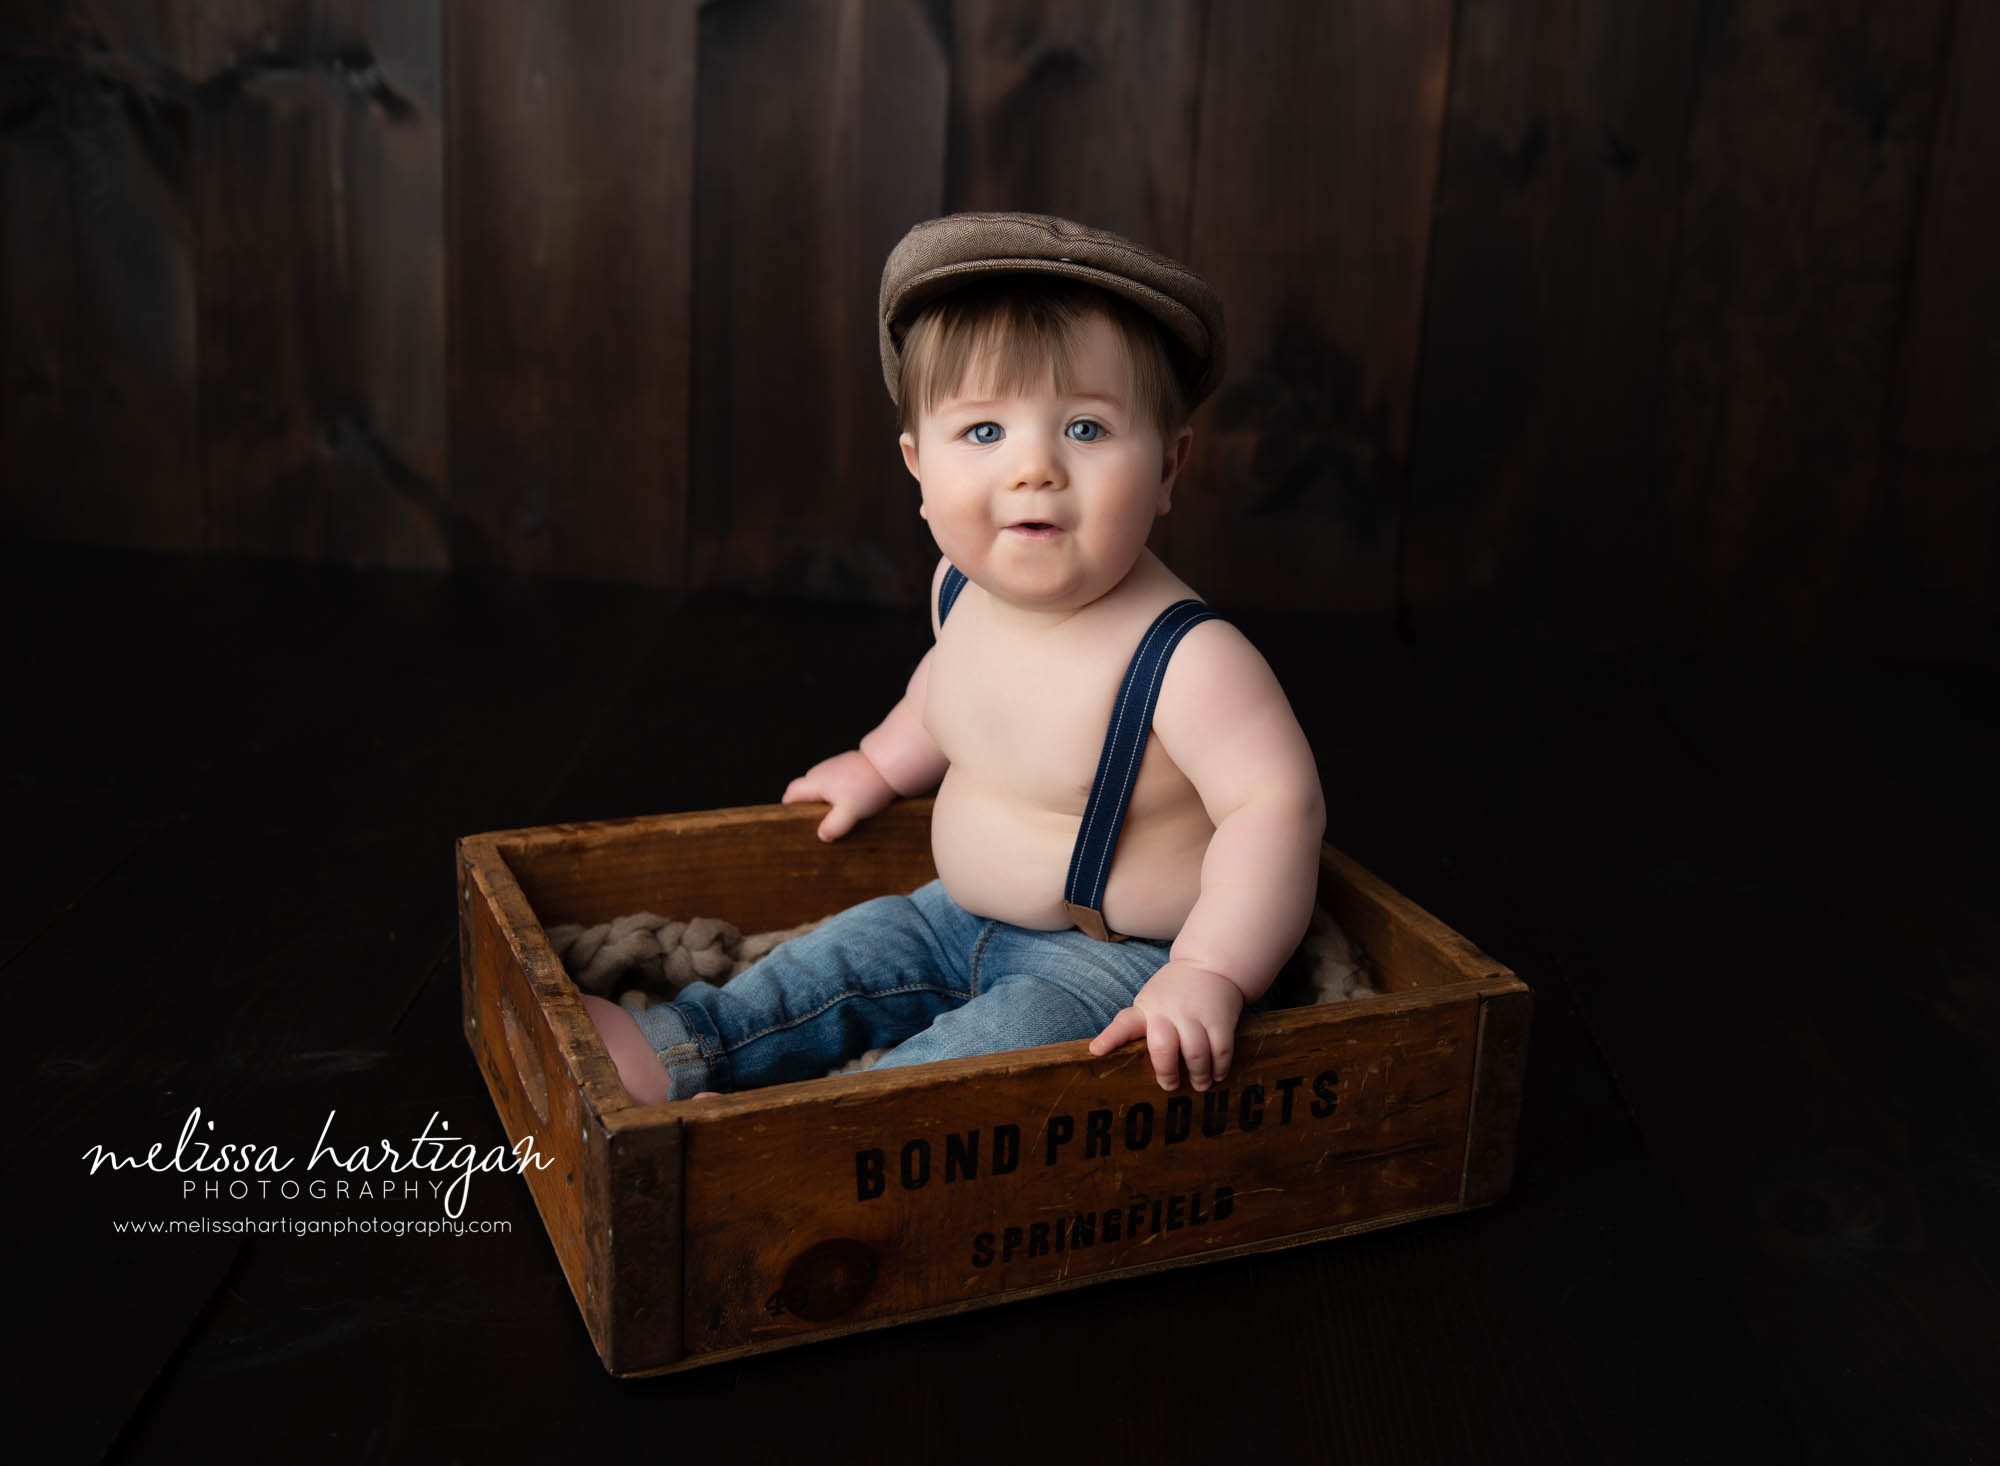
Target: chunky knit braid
{"x": 643, "y": 959}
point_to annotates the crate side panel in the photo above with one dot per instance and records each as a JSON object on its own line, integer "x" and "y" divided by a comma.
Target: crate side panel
{"x": 763, "y": 871}
{"x": 643, "y": 1185}
{"x": 1059, "y": 1285}
{"x": 1499, "y": 1074}
{"x": 894, "y": 1200}
{"x": 1411, "y": 948}
{"x": 532, "y": 1089}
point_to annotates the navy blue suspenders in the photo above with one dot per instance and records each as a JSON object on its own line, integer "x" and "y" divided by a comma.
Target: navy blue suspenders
{"x": 954, "y": 582}
{"x": 1118, "y": 762}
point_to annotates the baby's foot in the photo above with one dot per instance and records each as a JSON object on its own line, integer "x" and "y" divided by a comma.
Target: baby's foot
{"x": 639, "y": 1068}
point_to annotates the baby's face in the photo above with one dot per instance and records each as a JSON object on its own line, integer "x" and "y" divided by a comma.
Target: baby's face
{"x": 1044, "y": 498}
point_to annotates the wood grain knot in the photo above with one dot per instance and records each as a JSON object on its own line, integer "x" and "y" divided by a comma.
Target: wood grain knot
{"x": 828, "y": 1278}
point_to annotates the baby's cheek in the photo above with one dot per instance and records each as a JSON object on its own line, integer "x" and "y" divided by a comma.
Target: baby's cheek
{"x": 957, "y": 538}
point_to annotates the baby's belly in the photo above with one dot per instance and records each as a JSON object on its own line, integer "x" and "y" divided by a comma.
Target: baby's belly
{"x": 1008, "y": 863}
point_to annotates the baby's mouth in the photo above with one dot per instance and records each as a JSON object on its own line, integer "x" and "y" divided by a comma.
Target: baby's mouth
{"x": 1035, "y": 526}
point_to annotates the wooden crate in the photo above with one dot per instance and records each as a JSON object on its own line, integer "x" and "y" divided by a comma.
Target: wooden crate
{"x": 704, "y": 1230}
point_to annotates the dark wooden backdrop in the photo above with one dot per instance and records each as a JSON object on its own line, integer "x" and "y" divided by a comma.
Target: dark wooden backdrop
{"x": 1634, "y": 321}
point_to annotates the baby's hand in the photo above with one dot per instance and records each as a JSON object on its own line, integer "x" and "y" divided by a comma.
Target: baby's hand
{"x": 1183, "y": 1012}
{"x": 848, "y": 782}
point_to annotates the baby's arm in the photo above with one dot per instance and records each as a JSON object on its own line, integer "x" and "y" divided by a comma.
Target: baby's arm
{"x": 1225, "y": 722}
{"x": 897, "y": 758}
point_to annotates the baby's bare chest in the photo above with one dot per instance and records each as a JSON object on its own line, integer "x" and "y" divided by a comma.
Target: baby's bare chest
{"x": 1026, "y": 719}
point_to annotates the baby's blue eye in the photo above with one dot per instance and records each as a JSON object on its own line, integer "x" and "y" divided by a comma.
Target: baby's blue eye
{"x": 1083, "y": 430}
{"x": 985, "y": 433}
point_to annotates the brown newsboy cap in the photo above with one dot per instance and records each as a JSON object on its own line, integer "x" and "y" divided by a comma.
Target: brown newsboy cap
{"x": 940, "y": 255}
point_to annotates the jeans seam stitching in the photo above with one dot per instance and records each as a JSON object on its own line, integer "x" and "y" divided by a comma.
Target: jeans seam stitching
{"x": 979, "y": 953}
{"x": 837, "y": 999}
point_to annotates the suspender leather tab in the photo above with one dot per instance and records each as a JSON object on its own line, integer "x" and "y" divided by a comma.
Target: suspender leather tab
{"x": 1090, "y": 921}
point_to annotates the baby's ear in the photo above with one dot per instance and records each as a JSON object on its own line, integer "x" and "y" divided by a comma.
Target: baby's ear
{"x": 1172, "y": 462}
{"x": 909, "y": 446}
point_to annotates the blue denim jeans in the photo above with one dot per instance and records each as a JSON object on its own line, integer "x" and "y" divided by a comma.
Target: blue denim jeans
{"x": 917, "y": 972}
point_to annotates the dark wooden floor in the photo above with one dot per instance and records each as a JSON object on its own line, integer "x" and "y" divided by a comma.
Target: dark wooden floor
{"x": 1759, "y": 1182}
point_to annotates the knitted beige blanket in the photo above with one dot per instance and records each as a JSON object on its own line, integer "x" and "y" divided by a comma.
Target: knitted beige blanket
{"x": 643, "y": 959}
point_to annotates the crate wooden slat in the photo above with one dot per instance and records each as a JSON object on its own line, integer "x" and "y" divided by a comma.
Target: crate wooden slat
{"x": 699, "y": 1231}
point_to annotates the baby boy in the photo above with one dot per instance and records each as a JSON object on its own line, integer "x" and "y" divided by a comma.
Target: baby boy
{"x": 1145, "y": 882}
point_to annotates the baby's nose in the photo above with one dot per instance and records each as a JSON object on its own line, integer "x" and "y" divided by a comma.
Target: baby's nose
{"x": 1036, "y": 467}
